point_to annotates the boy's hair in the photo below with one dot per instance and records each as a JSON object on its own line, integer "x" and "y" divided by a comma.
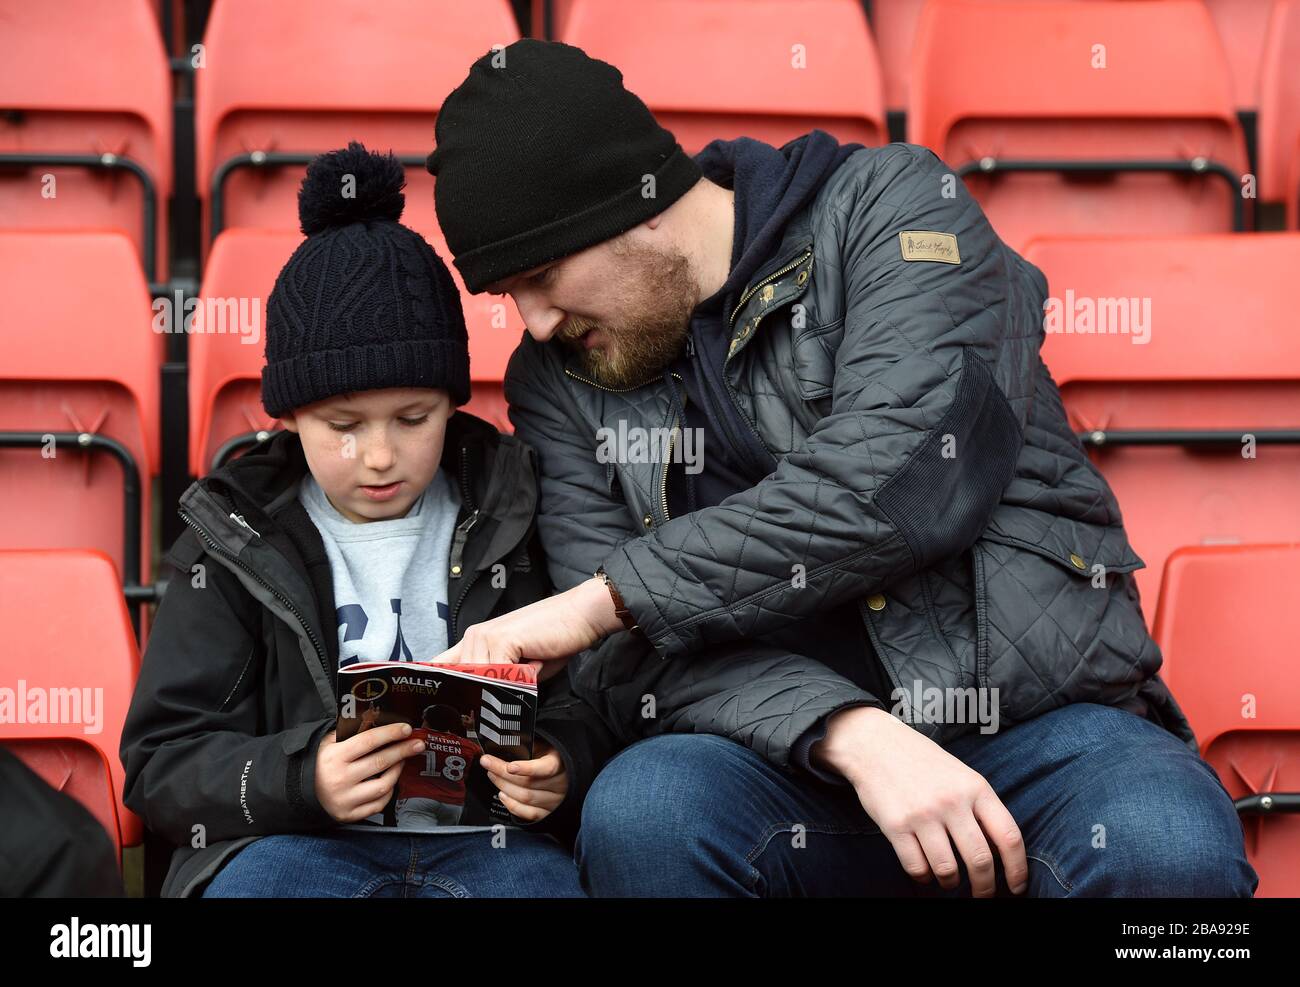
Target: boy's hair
{"x": 363, "y": 303}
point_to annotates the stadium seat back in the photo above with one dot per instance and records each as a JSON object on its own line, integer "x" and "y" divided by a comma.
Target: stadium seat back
{"x": 1133, "y": 83}
{"x": 1279, "y": 112}
{"x": 1225, "y": 627}
{"x": 720, "y": 69}
{"x": 1242, "y": 27}
{"x": 78, "y": 354}
{"x": 307, "y": 76}
{"x": 1220, "y": 354}
{"x": 72, "y": 664}
{"x": 81, "y": 77}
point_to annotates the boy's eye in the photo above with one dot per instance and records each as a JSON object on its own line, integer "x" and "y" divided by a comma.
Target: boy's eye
{"x": 541, "y": 277}
{"x": 412, "y": 422}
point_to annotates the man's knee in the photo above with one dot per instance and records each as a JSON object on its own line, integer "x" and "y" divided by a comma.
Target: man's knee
{"x": 659, "y": 812}
{"x": 659, "y": 785}
{"x": 1173, "y": 833}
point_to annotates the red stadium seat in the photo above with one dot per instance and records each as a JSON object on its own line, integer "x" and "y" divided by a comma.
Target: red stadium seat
{"x": 729, "y": 68}
{"x": 78, "y": 358}
{"x": 226, "y": 371}
{"x": 288, "y": 80}
{"x": 1279, "y": 112}
{"x": 559, "y": 14}
{"x": 1225, "y": 624}
{"x": 70, "y": 658}
{"x": 87, "y": 83}
{"x": 893, "y": 24}
{"x": 1223, "y": 356}
{"x": 1242, "y": 26}
{"x": 1050, "y": 141}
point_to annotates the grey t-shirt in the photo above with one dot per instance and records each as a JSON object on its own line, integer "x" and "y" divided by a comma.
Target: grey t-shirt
{"x": 390, "y": 591}
{"x": 390, "y": 577}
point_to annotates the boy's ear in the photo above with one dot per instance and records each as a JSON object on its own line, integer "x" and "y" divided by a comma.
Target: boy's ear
{"x": 289, "y": 422}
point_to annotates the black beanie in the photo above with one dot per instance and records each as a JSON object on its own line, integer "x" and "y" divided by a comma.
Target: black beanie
{"x": 542, "y": 153}
{"x": 364, "y": 302}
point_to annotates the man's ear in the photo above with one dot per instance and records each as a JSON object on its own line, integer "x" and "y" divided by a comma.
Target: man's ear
{"x": 289, "y": 422}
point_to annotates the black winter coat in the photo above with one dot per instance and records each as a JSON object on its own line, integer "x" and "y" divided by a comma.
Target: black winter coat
{"x": 239, "y": 679}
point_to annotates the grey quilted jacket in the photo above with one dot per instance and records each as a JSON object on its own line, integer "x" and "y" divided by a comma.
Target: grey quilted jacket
{"x": 925, "y": 472}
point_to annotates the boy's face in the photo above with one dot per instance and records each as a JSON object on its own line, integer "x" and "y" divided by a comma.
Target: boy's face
{"x": 374, "y": 452}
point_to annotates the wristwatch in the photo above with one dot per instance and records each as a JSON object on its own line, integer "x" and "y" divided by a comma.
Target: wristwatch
{"x": 620, "y": 608}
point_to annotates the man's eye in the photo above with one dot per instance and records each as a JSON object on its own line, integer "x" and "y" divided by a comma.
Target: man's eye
{"x": 541, "y": 277}
{"x": 342, "y": 428}
{"x": 414, "y": 421}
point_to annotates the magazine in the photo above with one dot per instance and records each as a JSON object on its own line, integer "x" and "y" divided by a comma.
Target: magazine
{"x": 460, "y": 712}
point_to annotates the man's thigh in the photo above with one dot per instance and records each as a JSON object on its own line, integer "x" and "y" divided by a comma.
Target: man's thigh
{"x": 1111, "y": 804}
{"x": 697, "y": 815}
{"x": 1108, "y": 804}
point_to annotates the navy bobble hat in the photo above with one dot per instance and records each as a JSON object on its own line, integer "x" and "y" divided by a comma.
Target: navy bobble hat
{"x": 364, "y": 302}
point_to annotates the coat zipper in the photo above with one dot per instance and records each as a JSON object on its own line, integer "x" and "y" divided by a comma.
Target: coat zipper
{"x": 288, "y": 604}
{"x": 731, "y": 391}
{"x": 458, "y": 544}
{"x": 771, "y": 277}
{"x": 663, "y": 495}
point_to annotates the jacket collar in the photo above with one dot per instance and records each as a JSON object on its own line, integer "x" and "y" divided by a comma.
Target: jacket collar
{"x": 244, "y": 498}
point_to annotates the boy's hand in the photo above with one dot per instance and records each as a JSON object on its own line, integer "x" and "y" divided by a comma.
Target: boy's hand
{"x": 550, "y": 630}
{"x": 531, "y": 790}
{"x": 355, "y": 778}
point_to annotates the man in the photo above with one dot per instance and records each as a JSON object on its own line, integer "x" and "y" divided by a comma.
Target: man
{"x": 885, "y": 626}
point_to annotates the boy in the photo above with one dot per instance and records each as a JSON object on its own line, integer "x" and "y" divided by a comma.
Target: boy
{"x": 378, "y": 525}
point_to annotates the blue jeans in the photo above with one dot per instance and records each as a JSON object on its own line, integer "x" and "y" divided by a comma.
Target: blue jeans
{"x": 350, "y": 864}
{"x": 1109, "y": 804}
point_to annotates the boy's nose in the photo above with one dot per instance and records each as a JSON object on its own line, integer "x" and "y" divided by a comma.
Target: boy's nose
{"x": 378, "y": 455}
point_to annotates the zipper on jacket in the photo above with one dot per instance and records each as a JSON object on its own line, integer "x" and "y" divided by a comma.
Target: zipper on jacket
{"x": 239, "y": 519}
{"x": 731, "y": 391}
{"x": 668, "y": 459}
{"x": 288, "y": 604}
{"x": 771, "y": 277}
{"x": 458, "y": 543}
{"x": 615, "y": 390}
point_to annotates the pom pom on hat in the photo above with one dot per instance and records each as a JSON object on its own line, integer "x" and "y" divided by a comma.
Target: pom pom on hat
{"x": 376, "y": 187}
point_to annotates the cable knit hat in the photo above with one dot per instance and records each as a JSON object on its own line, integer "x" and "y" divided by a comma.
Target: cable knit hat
{"x": 541, "y": 152}
{"x": 364, "y": 302}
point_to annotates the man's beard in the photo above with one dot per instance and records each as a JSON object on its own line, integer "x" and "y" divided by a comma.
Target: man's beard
{"x": 640, "y": 347}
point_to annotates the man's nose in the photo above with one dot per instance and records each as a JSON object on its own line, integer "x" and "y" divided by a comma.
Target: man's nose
{"x": 541, "y": 319}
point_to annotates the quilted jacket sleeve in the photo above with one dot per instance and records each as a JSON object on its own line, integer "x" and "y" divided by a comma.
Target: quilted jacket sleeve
{"x": 912, "y": 457}
{"x": 762, "y": 697}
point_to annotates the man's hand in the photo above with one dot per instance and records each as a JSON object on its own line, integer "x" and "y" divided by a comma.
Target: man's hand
{"x": 531, "y": 790}
{"x": 355, "y": 778}
{"x": 549, "y": 631}
{"x": 922, "y": 797}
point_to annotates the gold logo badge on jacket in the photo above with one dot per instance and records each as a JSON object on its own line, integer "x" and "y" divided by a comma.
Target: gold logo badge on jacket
{"x": 928, "y": 245}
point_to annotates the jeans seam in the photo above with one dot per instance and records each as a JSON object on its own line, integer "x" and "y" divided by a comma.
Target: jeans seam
{"x": 770, "y": 833}
{"x": 1051, "y": 866}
